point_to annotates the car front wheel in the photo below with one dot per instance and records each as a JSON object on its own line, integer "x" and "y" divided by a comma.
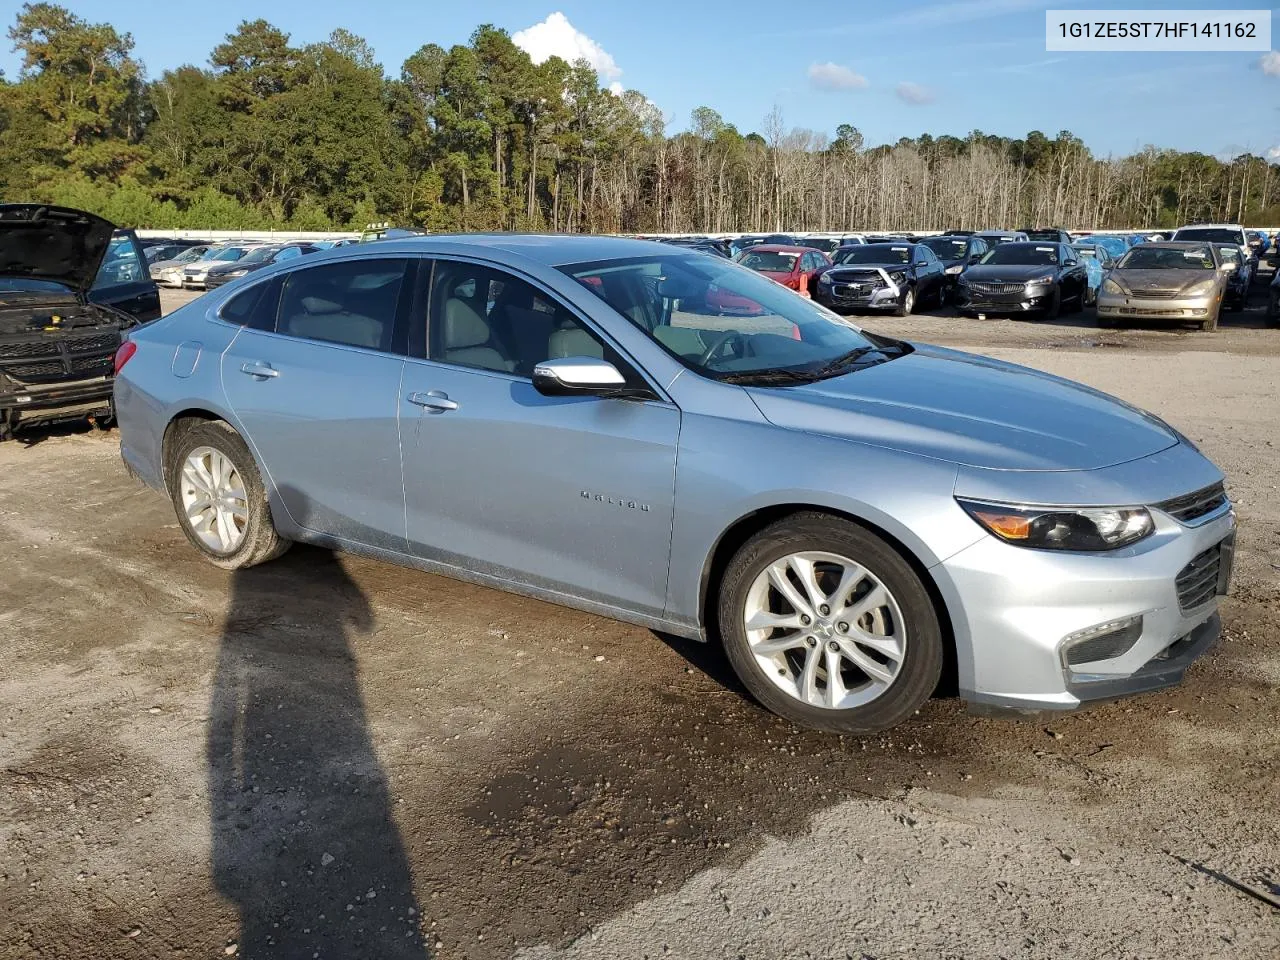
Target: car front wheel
{"x": 907, "y": 304}
{"x": 219, "y": 496}
{"x": 829, "y": 627}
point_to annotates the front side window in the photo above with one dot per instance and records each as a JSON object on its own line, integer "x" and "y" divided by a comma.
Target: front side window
{"x": 352, "y": 303}
{"x": 488, "y": 319}
{"x": 729, "y": 323}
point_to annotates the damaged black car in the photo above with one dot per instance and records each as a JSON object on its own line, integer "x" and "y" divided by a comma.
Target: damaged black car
{"x": 70, "y": 285}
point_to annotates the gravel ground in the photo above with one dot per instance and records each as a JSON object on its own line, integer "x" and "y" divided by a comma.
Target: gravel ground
{"x": 330, "y": 757}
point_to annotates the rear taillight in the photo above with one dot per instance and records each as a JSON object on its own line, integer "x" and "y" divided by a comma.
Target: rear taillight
{"x": 123, "y": 353}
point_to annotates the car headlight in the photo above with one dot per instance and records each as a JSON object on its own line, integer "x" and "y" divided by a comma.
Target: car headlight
{"x": 898, "y": 276}
{"x": 1040, "y": 281}
{"x": 1199, "y": 289}
{"x": 825, "y": 279}
{"x": 955, "y": 269}
{"x": 1062, "y": 528}
{"x": 1110, "y": 286}
{"x": 236, "y": 273}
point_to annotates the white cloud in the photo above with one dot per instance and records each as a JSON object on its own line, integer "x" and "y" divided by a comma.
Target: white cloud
{"x": 1274, "y": 153}
{"x": 1270, "y": 64}
{"x": 832, "y": 76}
{"x": 913, "y": 93}
{"x": 616, "y": 88}
{"x": 557, "y": 37}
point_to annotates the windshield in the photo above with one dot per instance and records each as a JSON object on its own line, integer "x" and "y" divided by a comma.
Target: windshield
{"x": 191, "y": 253}
{"x": 995, "y": 238}
{"x": 947, "y": 248}
{"x": 230, "y": 253}
{"x": 1212, "y": 234}
{"x": 728, "y": 323}
{"x": 258, "y": 255}
{"x": 873, "y": 253}
{"x": 1051, "y": 235}
{"x": 1022, "y": 254}
{"x": 1147, "y": 257}
{"x": 769, "y": 260}
{"x": 1086, "y": 251}
{"x": 824, "y": 244}
{"x": 26, "y": 285}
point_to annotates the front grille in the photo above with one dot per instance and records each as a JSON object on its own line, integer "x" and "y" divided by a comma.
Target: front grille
{"x": 1146, "y": 294}
{"x": 47, "y": 359}
{"x": 1192, "y": 506}
{"x": 91, "y": 365}
{"x": 30, "y": 348}
{"x": 1197, "y": 582}
{"x": 34, "y": 371}
{"x": 997, "y": 289}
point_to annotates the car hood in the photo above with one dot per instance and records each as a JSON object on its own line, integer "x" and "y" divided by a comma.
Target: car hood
{"x": 1136, "y": 282}
{"x": 970, "y": 410}
{"x": 1009, "y": 272}
{"x": 58, "y": 244}
{"x": 848, "y": 269}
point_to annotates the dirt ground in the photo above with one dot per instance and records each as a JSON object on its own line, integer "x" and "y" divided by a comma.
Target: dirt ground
{"x": 329, "y": 757}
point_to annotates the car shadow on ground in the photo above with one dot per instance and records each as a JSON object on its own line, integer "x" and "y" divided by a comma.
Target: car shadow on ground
{"x": 304, "y": 843}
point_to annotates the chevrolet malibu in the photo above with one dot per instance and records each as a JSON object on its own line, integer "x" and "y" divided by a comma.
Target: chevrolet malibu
{"x": 855, "y": 518}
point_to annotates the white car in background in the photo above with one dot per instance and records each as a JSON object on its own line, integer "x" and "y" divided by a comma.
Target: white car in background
{"x": 1217, "y": 233}
{"x": 168, "y": 273}
{"x": 195, "y": 273}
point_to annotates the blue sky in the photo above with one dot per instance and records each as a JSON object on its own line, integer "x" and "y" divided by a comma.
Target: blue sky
{"x": 892, "y": 69}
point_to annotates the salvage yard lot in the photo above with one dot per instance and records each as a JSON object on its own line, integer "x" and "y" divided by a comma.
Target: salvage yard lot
{"x": 330, "y": 755}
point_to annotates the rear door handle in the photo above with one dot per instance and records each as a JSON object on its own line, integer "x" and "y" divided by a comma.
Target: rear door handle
{"x": 256, "y": 368}
{"x": 435, "y": 400}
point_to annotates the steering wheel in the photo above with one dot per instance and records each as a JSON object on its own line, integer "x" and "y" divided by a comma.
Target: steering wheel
{"x": 716, "y": 344}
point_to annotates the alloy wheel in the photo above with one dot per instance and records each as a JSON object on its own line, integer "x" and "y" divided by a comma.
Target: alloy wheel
{"x": 825, "y": 630}
{"x": 214, "y": 499}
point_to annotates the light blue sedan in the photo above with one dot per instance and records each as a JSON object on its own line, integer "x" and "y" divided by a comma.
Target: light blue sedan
{"x": 1096, "y": 263}
{"x": 1116, "y": 247}
{"x": 850, "y": 515}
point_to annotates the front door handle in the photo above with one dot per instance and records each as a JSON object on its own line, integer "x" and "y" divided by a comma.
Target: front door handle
{"x": 256, "y": 368}
{"x": 437, "y": 401}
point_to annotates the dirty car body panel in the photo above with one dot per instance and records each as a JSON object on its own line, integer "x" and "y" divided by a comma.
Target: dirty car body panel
{"x": 622, "y": 505}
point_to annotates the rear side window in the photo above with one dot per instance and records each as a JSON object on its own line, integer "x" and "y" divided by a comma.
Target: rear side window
{"x": 352, "y": 303}
{"x": 254, "y": 307}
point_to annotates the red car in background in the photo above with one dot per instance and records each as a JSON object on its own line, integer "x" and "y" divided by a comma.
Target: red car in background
{"x": 794, "y": 267}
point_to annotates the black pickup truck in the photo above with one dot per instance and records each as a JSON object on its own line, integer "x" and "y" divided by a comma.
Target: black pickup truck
{"x": 70, "y": 284}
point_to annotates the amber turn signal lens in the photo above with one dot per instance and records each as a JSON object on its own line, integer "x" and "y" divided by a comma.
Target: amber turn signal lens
{"x": 1009, "y": 526}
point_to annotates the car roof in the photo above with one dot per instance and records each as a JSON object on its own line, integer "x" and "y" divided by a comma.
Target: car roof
{"x": 552, "y": 250}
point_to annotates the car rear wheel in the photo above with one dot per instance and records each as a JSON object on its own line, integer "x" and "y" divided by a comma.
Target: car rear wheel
{"x": 219, "y": 497}
{"x": 829, "y": 627}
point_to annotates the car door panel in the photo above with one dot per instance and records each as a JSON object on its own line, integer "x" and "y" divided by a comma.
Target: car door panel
{"x": 573, "y": 495}
{"x": 323, "y": 419}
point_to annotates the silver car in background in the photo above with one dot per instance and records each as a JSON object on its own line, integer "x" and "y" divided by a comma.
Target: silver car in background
{"x": 1171, "y": 281}
{"x": 168, "y": 273}
{"x": 850, "y": 515}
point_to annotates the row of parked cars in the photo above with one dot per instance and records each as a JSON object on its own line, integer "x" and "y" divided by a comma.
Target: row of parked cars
{"x": 1189, "y": 276}
{"x": 203, "y": 265}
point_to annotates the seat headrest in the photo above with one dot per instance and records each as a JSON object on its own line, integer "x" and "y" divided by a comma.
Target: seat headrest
{"x": 463, "y": 325}
{"x": 320, "y": 305}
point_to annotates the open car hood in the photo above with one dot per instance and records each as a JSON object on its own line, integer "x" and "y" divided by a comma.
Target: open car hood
{"x": 56, "y": 244}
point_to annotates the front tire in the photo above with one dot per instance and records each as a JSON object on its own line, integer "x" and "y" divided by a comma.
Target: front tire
{"x": 829, "y": 627}
{"x": 220, "y": 498}
{"x": 1210, "y": 323}
{"x": 907, "y": 304}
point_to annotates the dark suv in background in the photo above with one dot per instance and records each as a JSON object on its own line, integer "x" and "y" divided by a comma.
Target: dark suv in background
{"x": 70, "y": 284}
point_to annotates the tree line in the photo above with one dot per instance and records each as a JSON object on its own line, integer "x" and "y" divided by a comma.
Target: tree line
{"x": 271, "y": 134}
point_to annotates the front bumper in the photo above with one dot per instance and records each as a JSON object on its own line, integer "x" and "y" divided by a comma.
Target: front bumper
{"x": 1024, "y": 301}
{"x": 58, "y": 401}
{"x": 835, "y": 297}
{"x": 1020, "y": 606}
{"x": 1187, "y": 310}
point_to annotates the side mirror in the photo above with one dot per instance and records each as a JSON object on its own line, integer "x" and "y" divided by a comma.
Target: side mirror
{"x": 578, "y": 376}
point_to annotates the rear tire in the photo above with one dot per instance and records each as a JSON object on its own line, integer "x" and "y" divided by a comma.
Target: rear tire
{"x": 899, "y": 641}
{"x": 245, "y": 526}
